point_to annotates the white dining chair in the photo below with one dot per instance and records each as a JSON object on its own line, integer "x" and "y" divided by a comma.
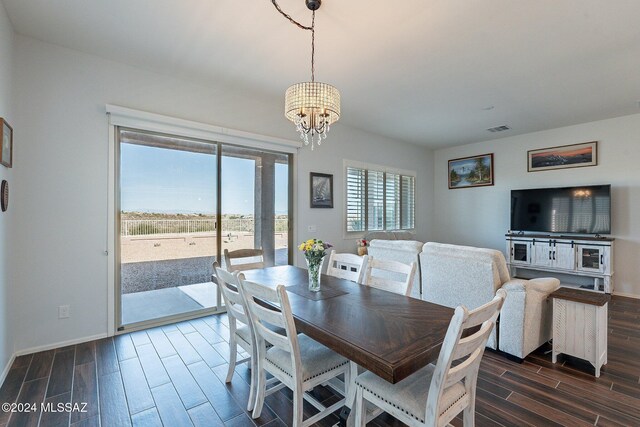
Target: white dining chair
{"x": 240, "y": 332}
{"x": 346, "y": 266}
{"x": 436, "y": 394}
{"x": 249, "y": 259}
{"x": 297, "y": 361}
{"x": 392, "y": 276}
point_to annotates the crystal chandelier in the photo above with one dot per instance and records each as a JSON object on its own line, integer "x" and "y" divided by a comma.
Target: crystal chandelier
{"x": 311, "y": 106}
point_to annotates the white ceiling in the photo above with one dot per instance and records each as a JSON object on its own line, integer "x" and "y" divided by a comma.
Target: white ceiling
{"x": 423, "y": 71}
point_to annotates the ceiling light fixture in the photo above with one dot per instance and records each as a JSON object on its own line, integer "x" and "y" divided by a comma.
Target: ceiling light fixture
{"x": 311, "y": 106}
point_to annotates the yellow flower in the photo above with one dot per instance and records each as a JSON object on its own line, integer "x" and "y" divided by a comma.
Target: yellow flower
{"x": 301, "y": 247}
{"x": 310, "y": 242}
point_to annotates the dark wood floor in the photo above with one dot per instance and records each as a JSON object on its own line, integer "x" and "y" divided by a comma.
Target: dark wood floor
{"x": 174, "y": 376}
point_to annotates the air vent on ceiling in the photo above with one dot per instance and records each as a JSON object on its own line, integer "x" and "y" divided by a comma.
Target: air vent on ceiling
{"x": 499, "y": 128}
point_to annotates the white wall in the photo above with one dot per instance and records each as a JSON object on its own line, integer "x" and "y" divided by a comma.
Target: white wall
{"x": 480, "y": 216}
{"x": 6, "y": 218}
{"x": 60, "y": 191}
{"x": 370, "y": 149}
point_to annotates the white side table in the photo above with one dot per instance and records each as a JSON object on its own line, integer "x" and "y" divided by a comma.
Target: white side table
{"x": 580, "y": 325}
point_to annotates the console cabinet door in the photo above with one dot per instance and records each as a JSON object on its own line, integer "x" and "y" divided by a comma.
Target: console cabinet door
{"x": 591, "y": 258}
{"x": 564, "y": 256}
{"x": 520, "y": 252}
{"x": 542, "y": 254}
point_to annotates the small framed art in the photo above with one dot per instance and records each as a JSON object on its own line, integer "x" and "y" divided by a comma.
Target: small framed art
{"x": 321, "y": 190}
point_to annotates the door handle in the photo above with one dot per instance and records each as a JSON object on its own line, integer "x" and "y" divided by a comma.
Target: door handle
{"x": 602, "y": 259}
{"x": 512, "y": 251}
{"x": 549, "y": 254}
{"x": 554, "y": 255}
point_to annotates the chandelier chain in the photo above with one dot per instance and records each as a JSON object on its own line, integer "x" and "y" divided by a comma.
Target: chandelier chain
{"x": 312, "y": 28}
{"x": 293, "y": 21}
{"x": 313, "y": 46}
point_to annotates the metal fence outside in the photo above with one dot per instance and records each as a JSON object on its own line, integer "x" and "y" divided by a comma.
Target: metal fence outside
{"x": 141, "y": 227}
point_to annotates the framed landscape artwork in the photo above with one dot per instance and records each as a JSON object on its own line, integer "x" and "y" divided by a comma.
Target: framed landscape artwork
{"x": 566, "y": 156}
{"x": 6, "y": 136}
{"x": 474, "y": 171}
{"x": 321, "y": 190}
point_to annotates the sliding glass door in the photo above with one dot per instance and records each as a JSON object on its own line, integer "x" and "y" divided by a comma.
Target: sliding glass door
{"x": 181, "y": 203}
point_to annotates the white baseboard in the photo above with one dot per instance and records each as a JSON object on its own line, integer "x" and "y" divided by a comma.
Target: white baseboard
{"x": 622, "y": 294}
{"x": 59, "y": 344}
{"x": 46, "y": 347}
{"x": 5, "y": 371}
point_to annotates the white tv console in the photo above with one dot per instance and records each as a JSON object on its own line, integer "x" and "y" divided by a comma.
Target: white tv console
{"x": 579, "y": 256}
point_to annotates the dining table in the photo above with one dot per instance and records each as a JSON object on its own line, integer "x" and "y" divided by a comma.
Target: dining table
{"x": 389, "y": 334}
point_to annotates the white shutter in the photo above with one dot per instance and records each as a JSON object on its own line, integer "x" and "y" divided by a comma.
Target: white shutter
{"x": 408, "y": 202}
{"x": 355, "y": 199}
{"x": 392, "y": 197}
{"x": 375, "y": 200}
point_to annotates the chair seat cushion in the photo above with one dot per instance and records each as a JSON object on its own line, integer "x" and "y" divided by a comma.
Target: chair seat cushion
{"x": 316, "y": 358}
{"x": 410, "y": 394}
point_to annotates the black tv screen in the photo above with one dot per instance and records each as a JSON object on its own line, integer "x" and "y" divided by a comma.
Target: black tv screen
{"x": 578, "y": 210}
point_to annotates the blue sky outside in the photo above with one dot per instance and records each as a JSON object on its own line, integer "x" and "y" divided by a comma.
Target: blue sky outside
{"x": 161, "y": 180}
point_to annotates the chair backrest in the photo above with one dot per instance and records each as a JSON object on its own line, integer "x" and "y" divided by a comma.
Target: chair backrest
{"x": 392, "y": 276}
{"x": 243, "y": 253}
{"x": 261, "y": 304}
{"x": 229, "y": 286}
{"x": 467, "y": 351}
{"x": 346, "y": 266}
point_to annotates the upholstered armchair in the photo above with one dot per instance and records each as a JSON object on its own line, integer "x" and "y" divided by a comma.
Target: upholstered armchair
{"x": 453, "y": 275}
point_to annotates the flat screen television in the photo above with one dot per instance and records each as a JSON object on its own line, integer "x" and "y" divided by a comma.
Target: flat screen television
{"x": 569, "y": 210}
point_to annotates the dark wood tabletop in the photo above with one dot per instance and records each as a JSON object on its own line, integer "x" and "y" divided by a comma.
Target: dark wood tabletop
{"x": 582, "y": 296}
{"x": 388, "y": 334}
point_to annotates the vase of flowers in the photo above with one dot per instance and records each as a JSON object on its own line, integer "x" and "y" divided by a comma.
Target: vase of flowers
{"x": 362, "y": 247}
{"x": 314, "y": 252}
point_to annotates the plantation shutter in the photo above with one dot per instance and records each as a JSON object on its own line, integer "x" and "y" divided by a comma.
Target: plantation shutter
{"x": 355, "y": 199}
{"x": 375, "y": 200}
{"x": 392, "y": 198}
{"x": 408, "y": 202}
{"x": 379, "y": 200}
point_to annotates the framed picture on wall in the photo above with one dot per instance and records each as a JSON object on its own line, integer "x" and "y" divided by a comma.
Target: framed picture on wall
{"x": 474, "y": 171}
{"x": 562, "y": 157}
{"x": 6, "y": 136}
{"x": 321, "y": 190}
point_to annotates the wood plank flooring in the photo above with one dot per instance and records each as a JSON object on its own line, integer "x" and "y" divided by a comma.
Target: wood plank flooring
{"x": 174, "y": 376}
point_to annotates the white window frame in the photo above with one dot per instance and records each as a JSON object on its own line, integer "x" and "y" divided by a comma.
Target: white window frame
{"x": 379, "y": 168}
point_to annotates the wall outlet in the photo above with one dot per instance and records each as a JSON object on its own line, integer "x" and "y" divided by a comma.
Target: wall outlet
{"x": 64, "y": 312}
{"x": 312, "y": 229}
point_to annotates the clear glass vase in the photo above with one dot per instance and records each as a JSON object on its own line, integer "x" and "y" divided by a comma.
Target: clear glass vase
{"x": 314, "y": 267}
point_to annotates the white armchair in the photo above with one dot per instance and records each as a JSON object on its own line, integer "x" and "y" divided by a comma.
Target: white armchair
{"x": 454, "y": 275}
